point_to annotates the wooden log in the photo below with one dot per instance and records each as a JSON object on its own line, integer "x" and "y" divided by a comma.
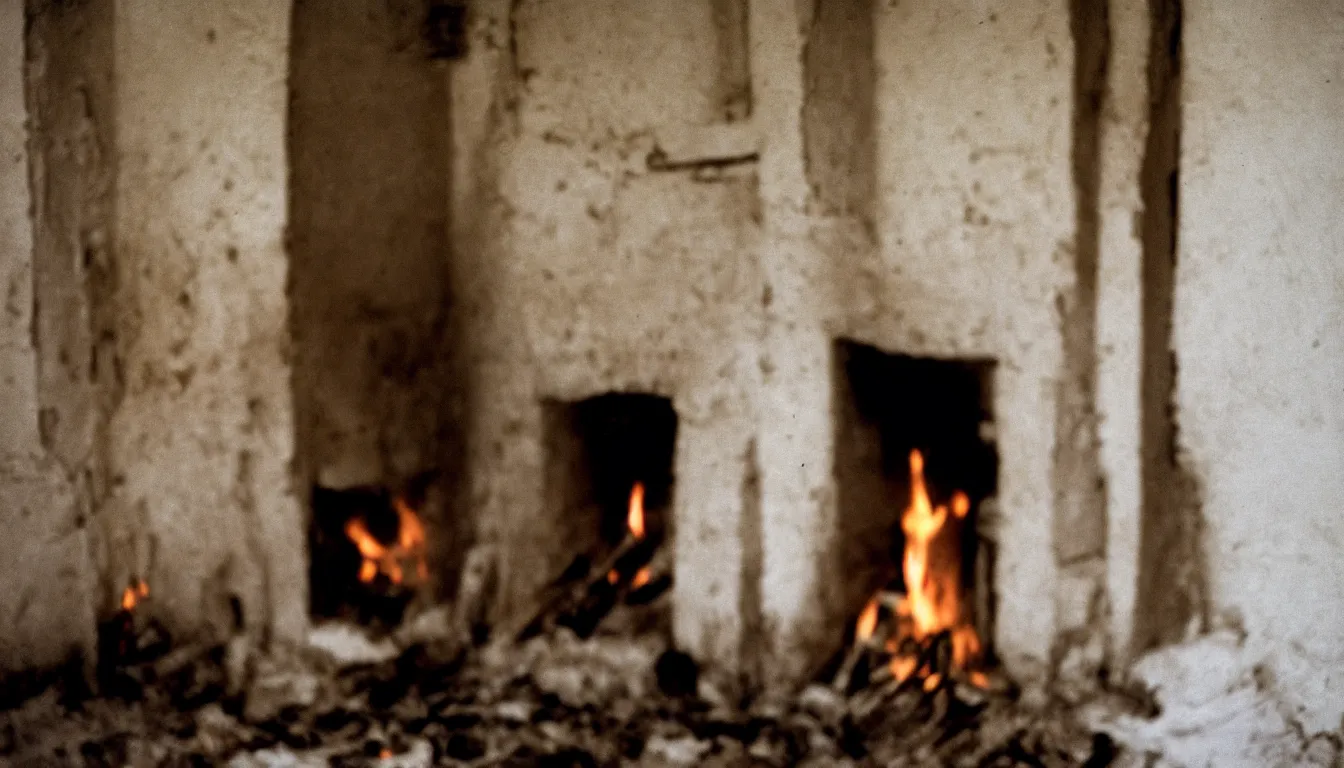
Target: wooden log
{"x": 593, "y": 593}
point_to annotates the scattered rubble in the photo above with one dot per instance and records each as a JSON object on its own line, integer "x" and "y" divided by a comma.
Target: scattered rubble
{"x": 556, "y": 699}
{"x": 433, "y": 692}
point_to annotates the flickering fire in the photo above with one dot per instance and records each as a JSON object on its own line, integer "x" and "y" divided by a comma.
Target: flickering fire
{"x": 933, "y": 602}
{"x": 388, "y": 559}
{"x": 634, "y": 523}
{"x": 634, "y": 516}
{"x": 136, "y": 591}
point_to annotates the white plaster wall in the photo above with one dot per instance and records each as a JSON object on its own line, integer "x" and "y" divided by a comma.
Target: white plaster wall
{"x": 792, "y": 411}
{"x": 1260, "y": 328}
{"x": 200, "y": 444}
{"x": 1124, "y": 129}
{"x": 583, "y": 272}
{"x": 976, "y": 228}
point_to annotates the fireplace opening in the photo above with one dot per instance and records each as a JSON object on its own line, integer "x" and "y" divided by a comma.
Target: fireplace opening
{"x": 368, "y": 553}
{"x": 916, "y": 472}
{"x": 609, "y": 485}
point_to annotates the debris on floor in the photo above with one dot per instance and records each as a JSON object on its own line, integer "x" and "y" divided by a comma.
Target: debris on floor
{"x": 555, "y": 699}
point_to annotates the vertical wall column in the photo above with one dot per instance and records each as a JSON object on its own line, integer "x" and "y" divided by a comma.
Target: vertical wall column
{"x": 46, "y": 607}
{"x": 794, "y": 424}
{"x": 1123, "y": 134}
{"x": 200, "y": 443}
{"x": 502, "y": 426}
{"x": 977, "y": 227}
{"x": 368, "y": 240}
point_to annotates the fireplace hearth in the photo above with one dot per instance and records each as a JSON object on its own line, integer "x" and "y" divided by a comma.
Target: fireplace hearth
{"x": 916, "y": 470}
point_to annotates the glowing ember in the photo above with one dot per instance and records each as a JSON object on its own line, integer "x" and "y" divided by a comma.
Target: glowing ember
{"x": 388, "y": 559}
{"x": 933, "y": 603}
{"x": 133, "y": 594}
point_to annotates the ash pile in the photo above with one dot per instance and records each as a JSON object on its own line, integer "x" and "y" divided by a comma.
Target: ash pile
{"x": 589, "y": 679}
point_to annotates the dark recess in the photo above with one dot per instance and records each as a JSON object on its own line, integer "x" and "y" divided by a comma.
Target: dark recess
{"x": 1172, "y": 585}
{"x": 1080, "y": 499}
{"x": 626, "y": 438}
{"x": 335, "y": 590}
{"x": 890, "y": 405}
{"x": 446, "y": 29}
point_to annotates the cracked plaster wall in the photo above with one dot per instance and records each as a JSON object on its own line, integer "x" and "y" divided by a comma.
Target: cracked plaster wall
{"x": 582, "y": 271}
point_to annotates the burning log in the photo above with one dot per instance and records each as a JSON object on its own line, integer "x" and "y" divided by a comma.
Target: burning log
{"x": 897, "y": 633}
{"x": 583, "y": 605}
{"x": 581, "y": 602}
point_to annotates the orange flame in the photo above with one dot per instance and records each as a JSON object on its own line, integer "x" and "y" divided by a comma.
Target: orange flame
{"x": 634, "y": 522}
{"x": 634, "y": 518}
{"x": 867, "y": 623}
{"x": 133, "y": 594}
{"x": 932, "y": 572}
{"x": 387, "y": 560}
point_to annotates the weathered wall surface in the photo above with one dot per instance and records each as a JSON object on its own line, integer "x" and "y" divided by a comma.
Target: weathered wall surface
{"x": 977, "y": 240}
{"x": 1260, "y": 328}
{"x": 1124, "y": 131}
{"x": 581, "y": 271}
{"x": 201, "y": 441}
{"x": 725, "y": 290}
{"x": 18, "y": 359}
{"x": 46, "y": 606}
{"x": 368, "y": 201}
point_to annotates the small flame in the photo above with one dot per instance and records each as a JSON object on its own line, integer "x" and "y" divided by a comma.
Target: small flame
{"x": 634, "y": 522}
{"x": 634, "y": 518}
{"x": 136, "y": 591}
{"x": 932, "y": 578}
{"x": 387, "y": 560}
{"x": 867, "y": 623}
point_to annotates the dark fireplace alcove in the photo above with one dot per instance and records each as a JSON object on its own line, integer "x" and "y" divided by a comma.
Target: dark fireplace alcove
{"x": 597, "y": 449}
{"x": 888, "y": 405}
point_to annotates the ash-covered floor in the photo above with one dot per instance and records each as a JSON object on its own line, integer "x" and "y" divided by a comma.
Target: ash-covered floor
{"x": 554, "y": 700}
